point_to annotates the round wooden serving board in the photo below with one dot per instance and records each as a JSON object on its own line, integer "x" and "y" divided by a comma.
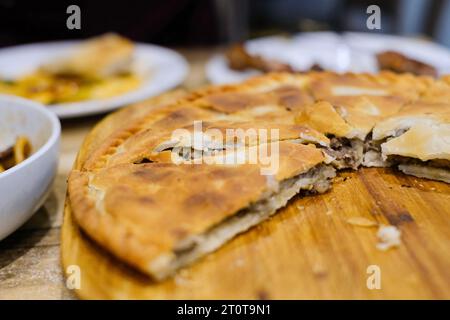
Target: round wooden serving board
{"x": 308, "y": 250}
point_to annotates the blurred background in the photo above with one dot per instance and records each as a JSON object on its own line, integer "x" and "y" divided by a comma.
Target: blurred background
{"x": 211, "y": 22}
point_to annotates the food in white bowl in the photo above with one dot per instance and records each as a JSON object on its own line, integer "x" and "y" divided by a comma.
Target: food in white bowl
{"x": 14, "y": 154}
{"x": 24, "y": 186}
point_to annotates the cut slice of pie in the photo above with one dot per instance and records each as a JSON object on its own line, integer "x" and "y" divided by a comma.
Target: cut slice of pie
{"x": 159, "y": 217}
{"x": 422, "y": 151}
{"x": 416, "y": 140}
{"x": 348, "y": 107}
{"x": 346, "y": 146}
{"x": 348, "y": 121}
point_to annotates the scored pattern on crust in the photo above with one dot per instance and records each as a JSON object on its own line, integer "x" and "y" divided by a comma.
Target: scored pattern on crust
{"x": 98, "y": 159}
{"x": 410, "y": 86}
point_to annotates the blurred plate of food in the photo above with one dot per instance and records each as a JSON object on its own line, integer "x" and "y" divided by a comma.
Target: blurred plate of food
{"x": 399, "y": 54}
{"x": 350, "y": 52}
{"x": 275, "y": 53}
{"x": 77, "y": 78}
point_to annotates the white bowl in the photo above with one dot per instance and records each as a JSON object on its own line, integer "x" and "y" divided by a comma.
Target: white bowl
{"x": 24, "y": 187}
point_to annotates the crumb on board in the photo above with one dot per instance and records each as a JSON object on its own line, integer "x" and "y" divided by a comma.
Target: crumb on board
{"x": 329, "y": 212}
{"x": 239, "y": 262}
{"x": 388, "y": 236}
{"x": 180, "y": 280}
{"x": 301, "y": 207}
{"x": 362, "y": 222}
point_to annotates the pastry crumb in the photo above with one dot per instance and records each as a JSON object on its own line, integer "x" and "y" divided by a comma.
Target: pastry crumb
{"x": 389, "y": 236}
{"x": 239, "y": 263}
{"x": 329, "y": 212}
{"x": 361, "y": 222}
{"x": 180, "y": 280}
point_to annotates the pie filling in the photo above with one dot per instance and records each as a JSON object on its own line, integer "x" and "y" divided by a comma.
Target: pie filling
{"x": 316, "y": 180}
{"x": 372, "y": 150}
{"x": 372, "y": 153}
{"x": 347, "y": 153}
{"x": 437, "y": 169}
{"x": 189, "y": 153}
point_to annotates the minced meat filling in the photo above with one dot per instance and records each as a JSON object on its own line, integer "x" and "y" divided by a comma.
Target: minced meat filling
{"x": 436, "y": 163}
{"x": 375, "y": 145}
{"x": 372, "y": 145}
{"x": 348, "y": 153}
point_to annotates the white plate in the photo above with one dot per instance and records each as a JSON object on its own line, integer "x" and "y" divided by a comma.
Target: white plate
{"x": 350, "y": 52}
{"x": 161, "y": 69}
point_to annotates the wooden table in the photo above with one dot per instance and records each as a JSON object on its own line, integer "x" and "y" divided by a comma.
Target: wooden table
{"x": 30, "y": 258}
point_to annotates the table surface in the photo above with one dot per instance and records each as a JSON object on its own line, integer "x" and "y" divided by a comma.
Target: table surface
{"x": 30, "y": 257}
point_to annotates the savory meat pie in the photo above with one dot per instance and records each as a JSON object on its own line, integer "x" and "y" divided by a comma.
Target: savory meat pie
{"x": 180, "y": 177}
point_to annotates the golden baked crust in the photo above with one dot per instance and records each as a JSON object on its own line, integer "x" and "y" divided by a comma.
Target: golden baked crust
{"x": 114, "y": 128}
{"x": 142, "y": 211}
{"x": 411, "y": 115}
{"x": 438, "y": 92}
{"x": 140, "y": 220}
{"x": 128, "y": 194}
{"x": 356, "y": 102}
{"x": 423, "y": 141}
{"x": 326, "y": 84}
